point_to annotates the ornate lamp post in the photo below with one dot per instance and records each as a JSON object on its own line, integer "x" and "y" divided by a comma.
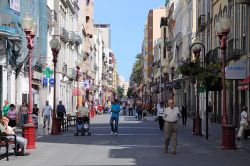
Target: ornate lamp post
{"x": 172, "y": 79}
{"x": 55, "y": 48}
{"x": 228, "y": 132}
{"x": 29, "y": 27}
{"x": 196, "y": 49}
{"x": 78, "y": 64}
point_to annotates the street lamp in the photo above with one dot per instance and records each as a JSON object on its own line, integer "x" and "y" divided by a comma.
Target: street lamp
{"x": 29, "y": 27}
{"x": 228, "y": 132}
{"x": 55, "y": 46}
{"x": 78, "y": 64}
{"x": 196, "y": 49}
{"x": 172, "y": 77}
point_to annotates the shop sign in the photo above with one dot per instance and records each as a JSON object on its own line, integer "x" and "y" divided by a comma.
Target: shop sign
{"x": 52, "y": 82}
{"x": 177, "y": 85}
{"x": 236, "y": 71}
{"x": 45, "y": 81}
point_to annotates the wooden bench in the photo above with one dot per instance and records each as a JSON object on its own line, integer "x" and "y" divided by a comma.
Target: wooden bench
{"x": 64, "y": 125}
{"x": 5, "y": 141}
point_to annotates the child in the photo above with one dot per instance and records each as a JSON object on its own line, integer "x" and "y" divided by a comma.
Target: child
{"x": 144, "y": 114}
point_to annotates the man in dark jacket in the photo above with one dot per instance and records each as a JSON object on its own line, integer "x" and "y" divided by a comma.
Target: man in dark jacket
{"x": 61, "y": 111}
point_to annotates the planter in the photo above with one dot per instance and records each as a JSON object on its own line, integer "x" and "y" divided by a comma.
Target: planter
{"x": 213, "y": 83}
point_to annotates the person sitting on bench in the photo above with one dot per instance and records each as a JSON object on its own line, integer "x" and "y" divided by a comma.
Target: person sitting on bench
{"x": 5, "y": 130}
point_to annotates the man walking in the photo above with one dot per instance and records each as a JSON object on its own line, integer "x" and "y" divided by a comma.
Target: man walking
{"x": 46, "y": 113}
{"x": 115, "y": 110}
{"x": 184, "y": 115}
{"x": 61, "y": 111}
{"x": 171, "y": 116}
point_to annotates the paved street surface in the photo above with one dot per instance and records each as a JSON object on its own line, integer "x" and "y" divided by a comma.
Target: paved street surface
{"x": 139, "y": 143}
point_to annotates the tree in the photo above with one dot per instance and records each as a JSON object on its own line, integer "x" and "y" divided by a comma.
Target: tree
{"x": 120, "y": 91}
{"x": 130, "y": 92}
{"x": 137, "y": 71}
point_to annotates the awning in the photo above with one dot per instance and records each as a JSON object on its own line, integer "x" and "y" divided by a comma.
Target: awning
{"x": 243, "y": 87}
{"x": 244, "y": 84}
{"x": 76, "y": 91}
{"x": 245, "y": 81}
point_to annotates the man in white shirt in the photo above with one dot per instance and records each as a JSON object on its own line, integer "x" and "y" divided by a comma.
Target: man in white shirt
{"x": 171, "y": 116}
{"x": 46, "y": 113}
{"x": 243, "y": 121}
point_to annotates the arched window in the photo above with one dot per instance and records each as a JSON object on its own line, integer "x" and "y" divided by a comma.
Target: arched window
{"x": 225, "y": 11}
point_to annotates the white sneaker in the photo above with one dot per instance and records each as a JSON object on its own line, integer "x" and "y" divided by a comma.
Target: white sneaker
{"x": 116, "y": 133}
{"x": 112, "y": 133}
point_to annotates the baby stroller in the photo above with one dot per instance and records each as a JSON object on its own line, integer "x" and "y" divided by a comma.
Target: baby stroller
{"x": 82, "y": 126}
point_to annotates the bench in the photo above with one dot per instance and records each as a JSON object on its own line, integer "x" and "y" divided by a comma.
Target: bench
{"x": 64, "y": 124}
{"x": 5, "y": 141}
{"x": 71, "y": 118}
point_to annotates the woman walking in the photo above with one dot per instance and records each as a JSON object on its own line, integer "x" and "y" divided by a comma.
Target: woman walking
{"x": 12, "y": 116}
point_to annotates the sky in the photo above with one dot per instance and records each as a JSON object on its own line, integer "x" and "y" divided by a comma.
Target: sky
{"x": 127, "y": 19}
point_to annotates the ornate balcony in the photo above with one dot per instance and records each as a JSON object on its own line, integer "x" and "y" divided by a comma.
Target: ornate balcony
{"x": 71, "y": 74}
{"x": 242, "y": 1}
{"x": 64, "y": 34}
{"x": 236, "y": 48}
{"x": 71, "y": 36}
{"x": 78, "y": 39}
{"x": 201, "y": 22}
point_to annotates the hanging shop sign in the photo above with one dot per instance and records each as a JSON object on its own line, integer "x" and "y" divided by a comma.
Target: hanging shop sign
{"x": 52, "y": 82}
{"x": 236, "y": 71}
{"x": 45, "y": 81}
{"x": 177, "y": 85}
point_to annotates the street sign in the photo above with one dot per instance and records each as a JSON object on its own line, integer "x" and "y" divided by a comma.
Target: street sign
{"x": 169, "y": 85}
{"x": 45, "y": 81}
{"x": 52, "y": 82}
{"x": 177, "y": 85}
{"x": 47, "y": 72}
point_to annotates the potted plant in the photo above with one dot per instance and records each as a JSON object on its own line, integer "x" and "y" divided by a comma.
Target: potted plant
{"x": 211, "y": 77}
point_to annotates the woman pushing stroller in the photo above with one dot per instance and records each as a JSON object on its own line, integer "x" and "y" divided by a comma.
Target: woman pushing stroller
{"x": 82, "y": 120}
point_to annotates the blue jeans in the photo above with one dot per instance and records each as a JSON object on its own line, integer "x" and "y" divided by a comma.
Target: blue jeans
{"x": 112, "y": 119}
{"x": 24, "y": 118}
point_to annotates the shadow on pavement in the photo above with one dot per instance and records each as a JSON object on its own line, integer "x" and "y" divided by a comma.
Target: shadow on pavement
{"x": 140, "y": 143}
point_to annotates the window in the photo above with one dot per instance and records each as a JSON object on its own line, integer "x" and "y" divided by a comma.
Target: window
{"x": 237, "y": 26}
{"x": 164, "y": 52}
{"x": 87, "y": 19}
{"x": 164, "y": 32}
{"x": 231, "y": 15}
{"x": 216, "y": 44}
{"x": 87, "y": 2}
{"x": 244, "y": 29}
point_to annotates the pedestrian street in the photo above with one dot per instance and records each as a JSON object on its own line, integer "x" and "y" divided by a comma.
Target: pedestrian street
{"x": 138, "y": 143}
